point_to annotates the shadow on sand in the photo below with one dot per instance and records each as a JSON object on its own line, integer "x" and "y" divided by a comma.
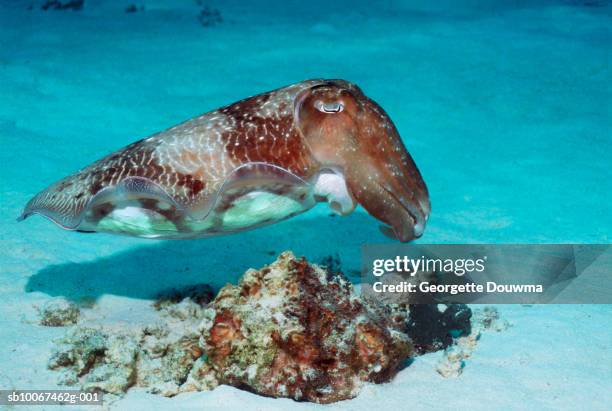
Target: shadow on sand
{"x": 146, "y": 271}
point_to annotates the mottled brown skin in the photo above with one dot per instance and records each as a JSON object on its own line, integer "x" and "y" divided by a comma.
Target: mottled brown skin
{"x": 361, "y": 139}
{"x": 298, "y": 130}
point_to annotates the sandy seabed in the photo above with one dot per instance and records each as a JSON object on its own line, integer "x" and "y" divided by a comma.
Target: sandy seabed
{"x": 506, "y": 110}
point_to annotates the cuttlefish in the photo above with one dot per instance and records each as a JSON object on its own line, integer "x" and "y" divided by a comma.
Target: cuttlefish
{"x": 252, "y": 163}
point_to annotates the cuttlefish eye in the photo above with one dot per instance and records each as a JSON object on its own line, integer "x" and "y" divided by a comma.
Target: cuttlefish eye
{"x": 334, "y": 107}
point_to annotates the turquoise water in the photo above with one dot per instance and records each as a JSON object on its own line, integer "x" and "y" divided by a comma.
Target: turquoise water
{"x": 505, "y": 109}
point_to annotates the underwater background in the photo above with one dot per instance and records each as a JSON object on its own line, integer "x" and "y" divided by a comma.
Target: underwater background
{"x": 505, "y": 106}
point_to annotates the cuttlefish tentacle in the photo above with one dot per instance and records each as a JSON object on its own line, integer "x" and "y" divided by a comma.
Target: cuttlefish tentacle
{"x": 251, "y": 163}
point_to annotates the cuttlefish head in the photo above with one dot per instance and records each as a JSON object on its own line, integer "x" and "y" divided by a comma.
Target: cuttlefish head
{"x": 347, "y": 131}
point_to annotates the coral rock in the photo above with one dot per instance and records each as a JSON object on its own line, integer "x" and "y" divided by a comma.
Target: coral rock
{"x": 288, "y": 330}
{"x": 58, "y": 313}
{"x": 158, "y": 356}
{"x": 453, "y": 361}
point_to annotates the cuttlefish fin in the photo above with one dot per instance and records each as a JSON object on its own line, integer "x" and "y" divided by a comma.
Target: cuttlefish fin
{"x": 134, "y": 188}
{"x": 60, "y": 203}
{"x": 81, "y": 211}
{"x": 274, "y": 187}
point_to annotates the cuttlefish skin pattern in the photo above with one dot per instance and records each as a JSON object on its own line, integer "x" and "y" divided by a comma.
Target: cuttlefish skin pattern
{"x": 248, "y": 164}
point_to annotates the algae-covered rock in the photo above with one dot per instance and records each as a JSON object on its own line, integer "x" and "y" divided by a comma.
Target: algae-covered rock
{"x": 434, "y": 327}
{"x": 201, "y": 294}
{"x": 58, "y": 313}
{"x": 452, "y": 362}
{"x": 158, "y": 356}
{"x": 288, "y": 330}
{"x": 79, "y": 349}
{"x": 97, "y": 360}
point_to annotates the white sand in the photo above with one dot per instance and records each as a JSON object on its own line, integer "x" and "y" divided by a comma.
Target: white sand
{"x": 505, "y": 109}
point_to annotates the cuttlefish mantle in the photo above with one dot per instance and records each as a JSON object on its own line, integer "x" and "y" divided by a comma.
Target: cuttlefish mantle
{"x": 252, "y": 163}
